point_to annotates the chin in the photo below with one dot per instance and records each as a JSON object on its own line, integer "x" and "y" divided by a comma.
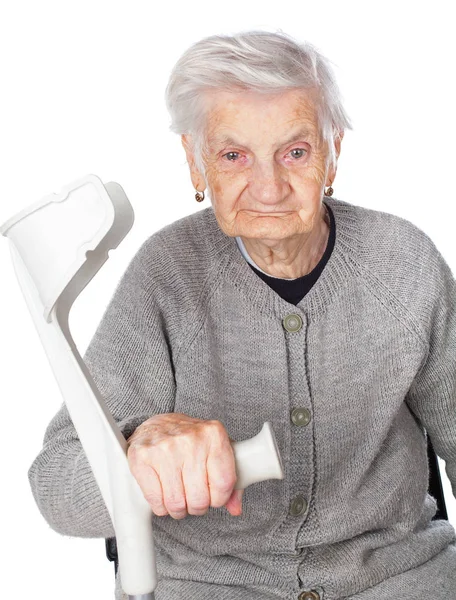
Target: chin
{"x": 264, "y": 233}
{"x": 279, "y": 224}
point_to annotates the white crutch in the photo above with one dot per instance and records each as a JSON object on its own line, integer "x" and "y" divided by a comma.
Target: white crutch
{"x": 57, "y": 246}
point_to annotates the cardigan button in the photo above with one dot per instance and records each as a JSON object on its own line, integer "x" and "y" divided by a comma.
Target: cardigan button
{"x": 298, "y": 506}
{"x": 309, "y": 596}
{"x": 300, "y": 416}
{"x": 292, "y": 323}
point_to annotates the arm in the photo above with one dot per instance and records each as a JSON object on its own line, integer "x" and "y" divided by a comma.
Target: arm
{"x": 432, "y": 395}
{"x": 129, "y": 360}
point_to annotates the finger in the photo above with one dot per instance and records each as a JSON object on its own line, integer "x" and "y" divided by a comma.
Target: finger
{"x": 221, "y": 472}
{"x": 194, "y": 477}
{"x": 234, "y": 504}
{"x": 173, "y": 491}
{"x": 150, "y": 485}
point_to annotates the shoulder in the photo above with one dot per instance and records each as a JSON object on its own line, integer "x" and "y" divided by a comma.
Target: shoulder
{"x": 384, "y": 243}
{"x": 402, "y": 260}
{"x": 178, "y": 238}
{"x": 176, "y": 263}
{"x": 179, "y": 254}
{"x": 386, "y": 229}
{"x": 395, "y": 244}
{"x": 168, "y": 277}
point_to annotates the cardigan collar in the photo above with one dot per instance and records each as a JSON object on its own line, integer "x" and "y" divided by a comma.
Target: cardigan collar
{"x": 340, "y": 268}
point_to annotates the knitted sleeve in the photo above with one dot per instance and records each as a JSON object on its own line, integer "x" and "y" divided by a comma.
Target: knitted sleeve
{"x": 432, "y": 395}
{"x": 130, "y": 362}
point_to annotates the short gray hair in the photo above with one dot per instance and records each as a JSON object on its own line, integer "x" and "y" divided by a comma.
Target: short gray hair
{"x": 258, "y": 61}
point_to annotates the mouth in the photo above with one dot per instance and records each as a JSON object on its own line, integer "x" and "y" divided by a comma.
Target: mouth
{"x": 266, "y": 214}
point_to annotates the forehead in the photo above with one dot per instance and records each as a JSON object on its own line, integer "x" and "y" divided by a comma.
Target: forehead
{"x": 231, "y": 111}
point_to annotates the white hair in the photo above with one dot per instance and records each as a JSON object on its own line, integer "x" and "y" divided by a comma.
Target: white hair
{"x": 258, "y": 61}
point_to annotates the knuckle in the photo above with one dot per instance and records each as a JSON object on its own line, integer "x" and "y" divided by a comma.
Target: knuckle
{"x": 198, "y": 511}
{"x": 138, "y": 453}
{"x": 218, "y": 437}
{"x": 166, "y": 445}
{"x": 160, "y": 511}
{"x": 153, "y": 498}
{"x": 176, "y": 505}
{"x": 156, "y": 504}
{"x": 178, "y": 516}
{"x": 217, "y": 428}
{"x": 198, "y": 504}
{"x": 218, "y": 500}
{"x": 188, "y": 441}
{"x": 224, "y": 482}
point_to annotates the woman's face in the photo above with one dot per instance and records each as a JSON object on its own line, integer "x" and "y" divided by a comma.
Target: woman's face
{"x": 266, "y": 167}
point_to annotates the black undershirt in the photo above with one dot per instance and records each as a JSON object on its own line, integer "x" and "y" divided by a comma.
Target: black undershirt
{"x": 294, "y": 290}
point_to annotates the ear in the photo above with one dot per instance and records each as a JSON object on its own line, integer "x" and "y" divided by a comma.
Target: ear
{"x": 333, "y": 170}
{"x": 338, "y": 142}
{"x": 196, "y": 176}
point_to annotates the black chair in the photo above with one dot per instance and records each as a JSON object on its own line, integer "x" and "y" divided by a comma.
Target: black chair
{"x": 111, "y": 552}
{"x": 435, "y": 483}
{"x": 435, "y": 489}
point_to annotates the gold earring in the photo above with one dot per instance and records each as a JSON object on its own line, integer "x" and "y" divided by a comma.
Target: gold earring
{"x": 198, "y": 196}
{"x": 329, "y": 191}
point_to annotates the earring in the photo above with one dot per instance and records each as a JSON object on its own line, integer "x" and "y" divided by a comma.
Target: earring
{"x": 329, "y": 191}
{"x": 198, "y": 196}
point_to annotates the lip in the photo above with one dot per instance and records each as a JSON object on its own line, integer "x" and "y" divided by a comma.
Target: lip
{"x": 270, "y": 214}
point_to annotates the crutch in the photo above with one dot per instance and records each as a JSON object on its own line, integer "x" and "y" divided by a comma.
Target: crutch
{"x": 57, "y": 246}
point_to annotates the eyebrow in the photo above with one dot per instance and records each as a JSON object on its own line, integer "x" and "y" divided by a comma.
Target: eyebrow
{"x": 302, "y": 132}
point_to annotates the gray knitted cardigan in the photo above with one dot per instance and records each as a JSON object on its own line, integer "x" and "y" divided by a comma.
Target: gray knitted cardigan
{"x": 191, "y": 328}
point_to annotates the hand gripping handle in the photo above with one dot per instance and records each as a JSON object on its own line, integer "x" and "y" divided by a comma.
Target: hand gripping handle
{"x": 256, "y": 459}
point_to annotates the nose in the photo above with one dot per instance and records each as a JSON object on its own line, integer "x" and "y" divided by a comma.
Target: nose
{"x": 269, "y": 182}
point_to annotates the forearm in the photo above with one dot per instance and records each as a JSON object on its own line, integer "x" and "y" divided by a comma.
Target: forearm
{"x": 65, "y": 489}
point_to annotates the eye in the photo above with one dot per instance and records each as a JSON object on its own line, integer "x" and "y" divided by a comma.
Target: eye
{"x": 299, "y": 150}
{"x": 230, "y": 154}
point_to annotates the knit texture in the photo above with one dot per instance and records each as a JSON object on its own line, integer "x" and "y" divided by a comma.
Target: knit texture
{"x": 192, "y": 328}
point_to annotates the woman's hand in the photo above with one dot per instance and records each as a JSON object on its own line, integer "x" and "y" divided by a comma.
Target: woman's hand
{"x": 184, "y": 465}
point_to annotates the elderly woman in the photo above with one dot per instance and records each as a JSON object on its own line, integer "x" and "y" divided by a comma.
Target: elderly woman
{"x": 277, "y": 303}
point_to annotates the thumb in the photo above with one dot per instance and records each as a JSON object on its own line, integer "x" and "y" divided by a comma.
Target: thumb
{"x": 237, "y": 499}
{"x": 234, "y": 504}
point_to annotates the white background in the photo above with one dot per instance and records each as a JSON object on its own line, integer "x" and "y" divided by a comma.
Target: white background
{"x": 82, "y": 91}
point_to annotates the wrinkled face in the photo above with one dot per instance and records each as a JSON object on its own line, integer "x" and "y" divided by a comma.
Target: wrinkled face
{"x": 266, "y": 167}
